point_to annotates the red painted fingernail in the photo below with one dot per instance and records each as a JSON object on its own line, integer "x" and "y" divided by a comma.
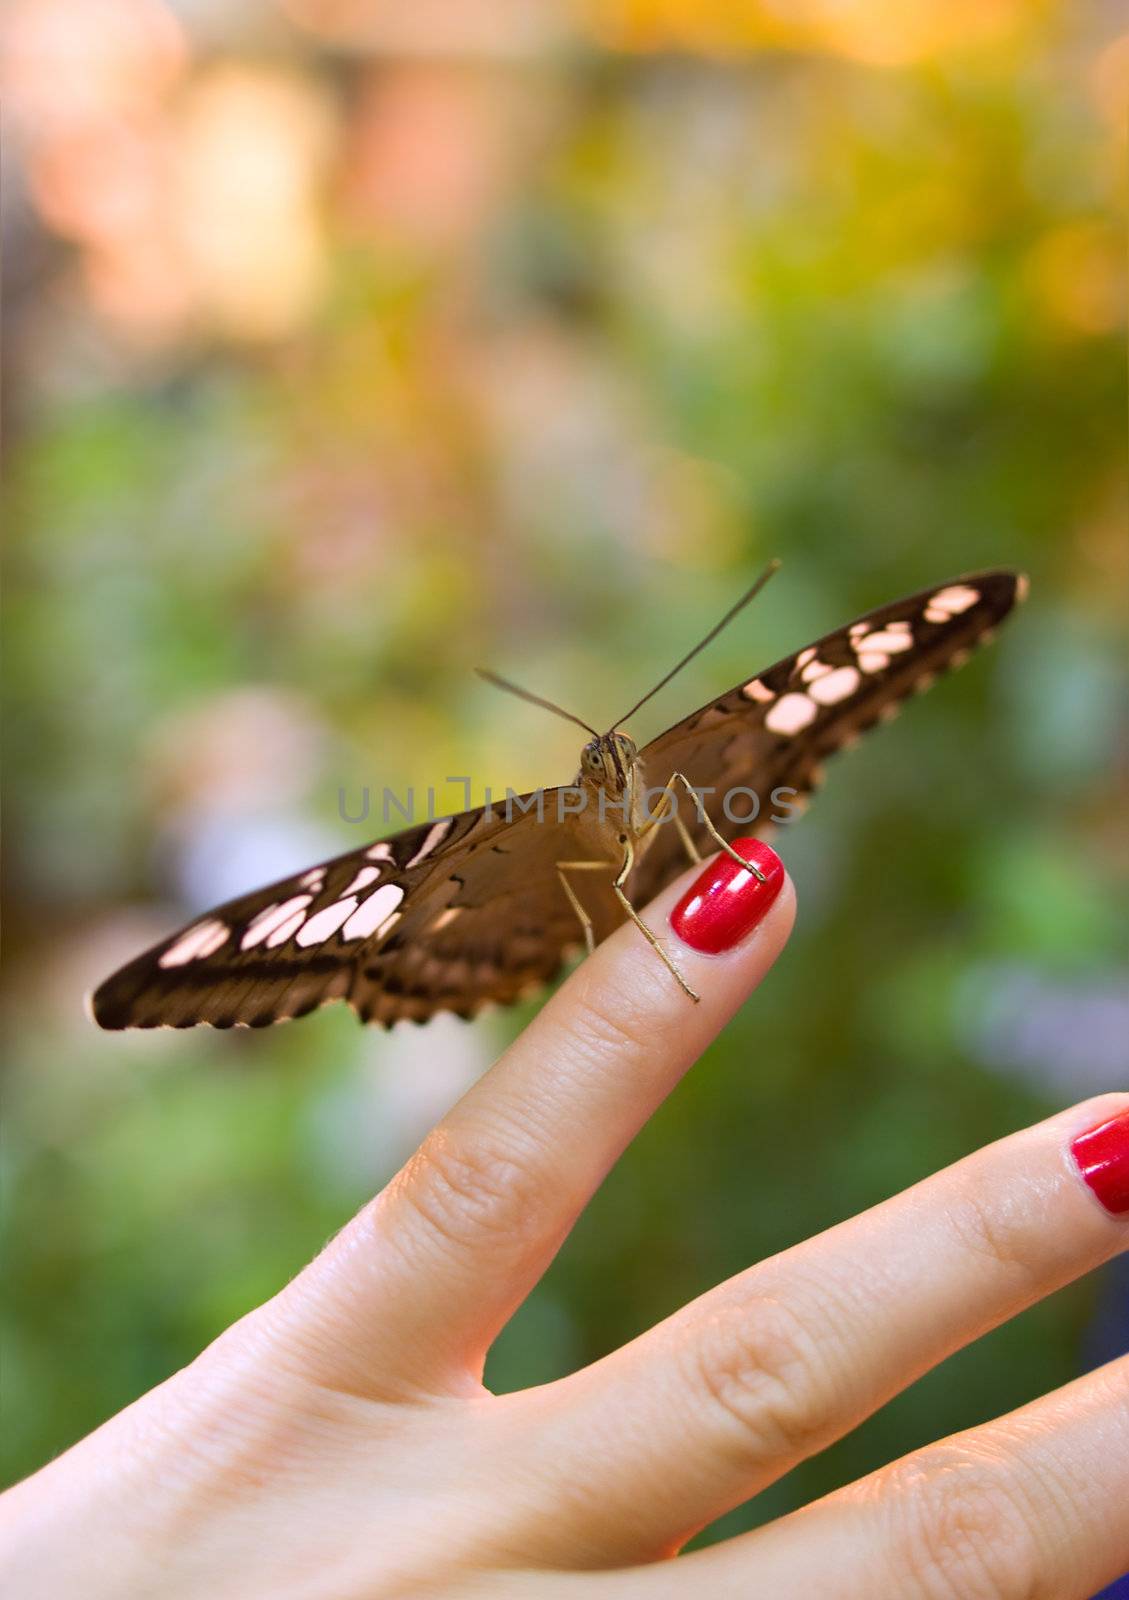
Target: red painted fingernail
{"x": 1102, "y": 1157}
{"x": 726, "y": 902}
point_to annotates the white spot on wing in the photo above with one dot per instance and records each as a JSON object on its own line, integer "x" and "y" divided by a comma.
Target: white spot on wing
{"x": 873, "y": 660}
{"x": 956, "y": 599}
{"x": 280, "y": 934}
{"x": 313, "y": 879}
{"x": 805, "y": 656}
{"x": 273, "y": 917}
{"x": 379, "y": 852}
{"x": 327, "y": 921}
{"x": 814, "y": 670}
{"x": 445, "y": 918}
{"x": 202, "y": 940}
{"x": 951, "y": 602}
{"x": 891, "y": 640}
{"x": 435, "y": 836}
{"x": 756, "y": 690}
{"x": 364, "y": 877}
{"x": 791, "y": 713}
{"x": 836, "y": 686}
{"x": 374, "y": 911}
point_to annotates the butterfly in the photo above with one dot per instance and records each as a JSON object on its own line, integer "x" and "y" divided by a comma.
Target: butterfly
{"x": 485, "y": 906}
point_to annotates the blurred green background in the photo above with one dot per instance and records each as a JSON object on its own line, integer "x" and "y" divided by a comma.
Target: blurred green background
{"x": 350, "y": 346}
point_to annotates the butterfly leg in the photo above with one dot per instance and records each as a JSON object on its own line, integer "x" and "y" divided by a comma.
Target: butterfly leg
{"x": 684, "y": 835}
{"x": 655, "y": 944}
{"x": 705, "y": 818}
{"x": 573, "y": 898}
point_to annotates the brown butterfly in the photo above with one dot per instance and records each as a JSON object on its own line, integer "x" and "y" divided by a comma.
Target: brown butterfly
{"x": 485, "y": 905}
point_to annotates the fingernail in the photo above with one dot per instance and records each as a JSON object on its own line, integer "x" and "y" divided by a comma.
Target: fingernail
{"x": 1102, "y": 1157}
{"x": 725, "y": 904}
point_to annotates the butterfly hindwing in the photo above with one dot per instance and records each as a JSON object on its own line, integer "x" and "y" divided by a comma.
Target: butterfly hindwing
{"x": 494, "y": 925}
{"x": 770, "y": 735}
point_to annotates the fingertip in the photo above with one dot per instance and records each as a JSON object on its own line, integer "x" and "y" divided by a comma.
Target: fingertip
{"x": 1099, "y": 1152}
{"x": 730, "y": 898}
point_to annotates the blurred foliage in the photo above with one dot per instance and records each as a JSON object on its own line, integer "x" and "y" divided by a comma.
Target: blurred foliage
{"x": 343, "y": 359}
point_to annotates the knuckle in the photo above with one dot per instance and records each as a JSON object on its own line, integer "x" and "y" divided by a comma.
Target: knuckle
{"x": 762, "y": 1369}
{"x": 469, "y": 1186}
{"x": 217, "y": 1431}
{"x": 962, "y": 1530}
{"x": 994, "y": 1228}
{"x": 608, "y": 1026}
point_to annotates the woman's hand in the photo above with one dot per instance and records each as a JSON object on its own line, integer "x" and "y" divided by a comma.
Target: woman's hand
{"x": 338, "y": 1442}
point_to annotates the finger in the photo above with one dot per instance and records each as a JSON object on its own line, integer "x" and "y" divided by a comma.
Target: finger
{"x": 1030, "y": 1507}
{"x": 721, "y": 1399}
{"x": 421, "y": 1282}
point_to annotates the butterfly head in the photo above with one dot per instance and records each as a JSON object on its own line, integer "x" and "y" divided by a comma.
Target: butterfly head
{"x": 609, "y": 761}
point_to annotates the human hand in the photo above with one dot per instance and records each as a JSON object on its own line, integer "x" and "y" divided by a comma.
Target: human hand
{"x": 338, "y": 1443}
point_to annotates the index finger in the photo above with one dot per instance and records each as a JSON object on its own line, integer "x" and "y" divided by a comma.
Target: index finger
{"x": 423, "y": 1279}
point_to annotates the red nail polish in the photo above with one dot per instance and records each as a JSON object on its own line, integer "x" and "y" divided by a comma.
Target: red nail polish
{"x": 726, "y": 902}
{"x": 1102, "y": 1156}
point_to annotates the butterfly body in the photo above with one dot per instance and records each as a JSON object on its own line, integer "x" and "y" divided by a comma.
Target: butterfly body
{"x": 484, "y": 906}
{"x": 611, "y": 788}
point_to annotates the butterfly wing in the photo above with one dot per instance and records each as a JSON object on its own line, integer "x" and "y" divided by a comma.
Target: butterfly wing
{"x": 468, "y": 909}
{"x": 494, "y": 927}
{"x": 773, "y": 733}
{"x": 445, "y": 916}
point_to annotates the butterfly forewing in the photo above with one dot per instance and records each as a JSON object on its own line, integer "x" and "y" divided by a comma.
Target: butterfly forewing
{"x": 771, "y": 734}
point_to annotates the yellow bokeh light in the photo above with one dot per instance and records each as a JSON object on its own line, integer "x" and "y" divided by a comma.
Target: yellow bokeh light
{"x": 1077, "y": 277}
{"x": 251, "y": 148}
{"x": 887, "y": 33}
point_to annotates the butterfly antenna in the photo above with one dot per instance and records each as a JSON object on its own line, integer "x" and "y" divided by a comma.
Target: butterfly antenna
{"x": 773, "y": 566}
{"x": 534, "y": 699}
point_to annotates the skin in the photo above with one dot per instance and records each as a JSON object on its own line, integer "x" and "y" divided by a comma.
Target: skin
{"x": 338, "y": 1444}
